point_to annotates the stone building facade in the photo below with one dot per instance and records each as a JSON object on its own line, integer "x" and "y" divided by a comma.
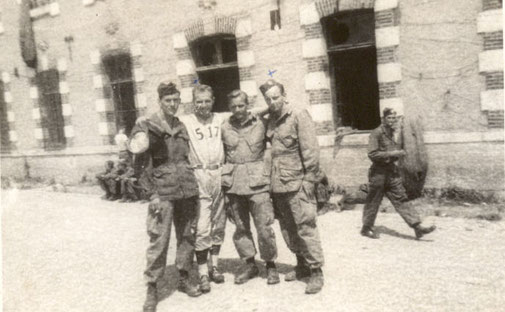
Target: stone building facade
{"x": 439, "y": 60}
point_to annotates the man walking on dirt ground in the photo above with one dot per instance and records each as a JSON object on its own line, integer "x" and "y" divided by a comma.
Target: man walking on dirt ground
{"x": 384, "y": 151}
{"x": 295, "y": 171}
{"x": 175, "y": 192}
{"x": 246, "y": 182}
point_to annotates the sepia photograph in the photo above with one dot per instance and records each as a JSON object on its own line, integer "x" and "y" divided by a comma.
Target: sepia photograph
{"x": 252, "y": 155}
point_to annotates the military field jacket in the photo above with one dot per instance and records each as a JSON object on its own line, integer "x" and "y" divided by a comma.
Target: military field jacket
{"x": 381, "y": 144}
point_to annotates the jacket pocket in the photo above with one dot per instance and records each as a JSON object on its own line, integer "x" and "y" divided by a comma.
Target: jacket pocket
{"x": 165, "y": 176}
{"x": 258, "y": 174}
{"x": 227, "y": 175}
{"x": 290, "y": 174}
{"x": 288, "y": 140}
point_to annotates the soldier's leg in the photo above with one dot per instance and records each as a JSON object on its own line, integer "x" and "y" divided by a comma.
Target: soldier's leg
{"x": 185, "y": 225}
{"x": 203, "y": 241}
{"x": 395, "y": 192}
{"x": 103, "y": 185}
{"x": 242, "y": 238}
{"x": 218, "y": 220}
{"x": 286, "y": 221}
{"x": 374, "y": 199}
{"x": 263, "y": 215}
{"x": 158, "y": 229}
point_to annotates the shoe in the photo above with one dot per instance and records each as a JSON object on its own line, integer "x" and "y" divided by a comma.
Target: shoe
{"x": 422, "y": 230}
{"x": 272, "y": 276}
{"x": 300, "y": 272}
{"x": 251, "y": 272}
{"x": 216, "y": 276}
{"x": 151, "y": 298}
{"x": 368, "y": 232}
{"x": 185, "y": 287}
{"x": 316, "y": 282}
{"x": 204, "y": 284}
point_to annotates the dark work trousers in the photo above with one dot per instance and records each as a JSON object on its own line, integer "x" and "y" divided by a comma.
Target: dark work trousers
{"x": 387, "y": 181}
{"x": 183, "y": 213}
{"x": 297, "y": 212}
{"x": 262, "y": 212}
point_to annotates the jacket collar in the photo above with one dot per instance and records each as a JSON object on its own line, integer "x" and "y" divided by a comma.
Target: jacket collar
{"x": 236, "y": 123}
{"x": 178, "y": 126}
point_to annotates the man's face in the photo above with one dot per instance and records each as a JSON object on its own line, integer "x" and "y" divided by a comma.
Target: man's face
{"x": 390, "y": 120}
{"x": 203, "y": 104}
{"x": 275, "y": 99}
{"x": 238, "y": 108}
{"x": 170, "y": 103}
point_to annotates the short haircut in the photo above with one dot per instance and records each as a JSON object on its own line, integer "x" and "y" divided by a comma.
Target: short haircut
{"x": 269, "y": 84}
{"x": 201, "y": 88}
{"x": 238, "y": 93}
{"x": 388, "y": 111}
{"x": 167, "y": 89}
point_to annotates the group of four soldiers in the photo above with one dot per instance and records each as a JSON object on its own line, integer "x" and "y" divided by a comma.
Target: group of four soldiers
{"x": 197, "y": 161}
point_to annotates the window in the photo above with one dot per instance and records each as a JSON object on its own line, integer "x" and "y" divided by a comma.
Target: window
{"x": 216, "y": 61}
{"x": 51, "y": 116}
{"x": 4, "y": 123}
{"x": 118, "y": 68}
{"x": 350, "y": 38}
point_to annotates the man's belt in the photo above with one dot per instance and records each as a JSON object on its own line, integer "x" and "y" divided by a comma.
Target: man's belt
{"x": 209, "y": 167}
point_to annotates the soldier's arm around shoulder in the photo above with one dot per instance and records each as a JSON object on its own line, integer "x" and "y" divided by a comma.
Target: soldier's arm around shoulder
{"x": 309, "y": 147}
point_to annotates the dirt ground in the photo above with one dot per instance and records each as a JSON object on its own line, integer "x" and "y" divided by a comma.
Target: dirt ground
{"x": 75, "y": 252}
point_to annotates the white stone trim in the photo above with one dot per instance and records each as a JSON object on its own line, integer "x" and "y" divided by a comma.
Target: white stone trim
{"x": 64, "y": 87}
{"x": 8, "y": 97}
{"x": 389, "y": 72}
{"x": 490, "y": 21}
{"x": 13, "y": 136}
{"x": 184, "y": 67}
{"x": 62, "y": 65}
{"x": 356, "y": 139}
{"x": 381, "y": 5}
{"x": 54, "y": 9}
{"x": 314, "y": 47}
{"x": 69, "y": 131}
{"x": 97, "y": 81}
{"x": 44, "y": 61}
{"x": 66, "y": 110}
{"x": 179, "y": 40}
{"x": 491, "y": 60}
{"x": 138, "y": 74}
{"x": 394, "y": 103}
{"x": 316, "y": 80}
{"x": 11, "y": 117}
{"x": 187, "y": 95}
{"x": 244, "y": 28}
{"x": 321, "y": 112}
{"x": 88, "y": 2}
{"x": 245, "y": 58}
{"x": 491, "y": 100}
{"x": 95, "y": 57}
{"x": 34, "y": 93}
{"x": 326, "y": 140}
{"x": 141, "y": 100}
{"x": 387, "y": 36}
{"x": 38, "y": 134}
{"x": 100, "y": 105}
{"x": 249, "y": 86}
{"x": 103, "y": 128}
{"x": 309, "y": 14}
{"x": 35, "y": 113}
{"x": 6, "y": 78}
{"x": 136, "y": 48}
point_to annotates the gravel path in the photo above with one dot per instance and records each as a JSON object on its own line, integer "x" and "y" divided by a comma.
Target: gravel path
{"x": 75, "y": 252}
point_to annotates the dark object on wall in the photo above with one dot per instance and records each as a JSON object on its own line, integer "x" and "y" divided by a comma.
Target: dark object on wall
{"x": 26, "y": 36}
{"x": 414, "y": 166}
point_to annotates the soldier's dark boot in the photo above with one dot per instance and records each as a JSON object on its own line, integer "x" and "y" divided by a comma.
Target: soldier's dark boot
{"x": 251, "y": 272}
{"x": 301, "y": 270}
{"x": 423, "y": 230}
{"x": 216, "y": 276}
{"x": 204, "y": 284}
{"x": 186, "y": 287}
{"x": 151, "y": 298}
{"x": 316, "y": 282}
{"x": 272, "y": 274}
{"x": 369, "y": 232}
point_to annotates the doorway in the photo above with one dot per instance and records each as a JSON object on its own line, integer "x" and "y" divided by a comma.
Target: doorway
{"x": 222, "y": 81}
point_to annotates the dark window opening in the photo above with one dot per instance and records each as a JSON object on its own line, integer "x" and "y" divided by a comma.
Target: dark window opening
{"x": 352, "y": 54}
{"x": 4, "y": 123}
{"x": 51, "y": 114}
{"x": 216, "y": 61}
{"x": 118, "y": 68}
{"x": 275, "y": 19}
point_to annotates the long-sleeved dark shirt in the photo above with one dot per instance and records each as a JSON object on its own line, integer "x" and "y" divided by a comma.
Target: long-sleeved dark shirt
{"x": 381, "y": 144}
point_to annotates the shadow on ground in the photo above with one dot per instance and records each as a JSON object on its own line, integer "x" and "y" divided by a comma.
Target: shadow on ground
{"x": 168, "y": 284}
{"x": 387, "y": 231}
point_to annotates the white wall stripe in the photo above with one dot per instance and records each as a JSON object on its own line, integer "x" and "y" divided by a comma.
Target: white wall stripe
{"x": 34, "y": 93}
{"x": 62, "y": 65}
{"x": 95, "y": 57}
{"x": 35, "y": 114}
{"x": 245, "y": 58}
{"x": 97, "y": 82}
{"x": 138, "y": 74}
{"x": 389, "y": 72}
{"x": 314, "y": 47}
{"x": 491, "y": 60}
{"x": 491, "y": 100}
{"x": 249, "y": 86}
{"x": 11, "y": 117}
{"x": 179, "y": 40}
{"x": 66, "y": 109}
{"x": 103, "y": 128}
{"x": 136, "y": 49}
{"x": 321, "y": 112}
{"x": 8, "y": 97}
{"x": 244, "y": 28}
{"x": 6, "y": 77}
{"x": 54, "y": 9}
{"x": 69, "y": 131}
{"x": 316, "y": 81}
{"x": 141, "y": 100}
{"x": 490, "y": 21}
{"x": 100, "y": 105}
{"x": 184, "y": 67}
{"x": 13, "y": 136}
{"x": 309, "y": 14}
{"x": 381, "y": 5}
{"x": 38, "y": 134}
{"x": 64, "y": 87}
{"x": 387, "y": 36}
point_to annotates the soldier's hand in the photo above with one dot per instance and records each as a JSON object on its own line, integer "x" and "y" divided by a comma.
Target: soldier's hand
{"x": 154, "y": 206}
